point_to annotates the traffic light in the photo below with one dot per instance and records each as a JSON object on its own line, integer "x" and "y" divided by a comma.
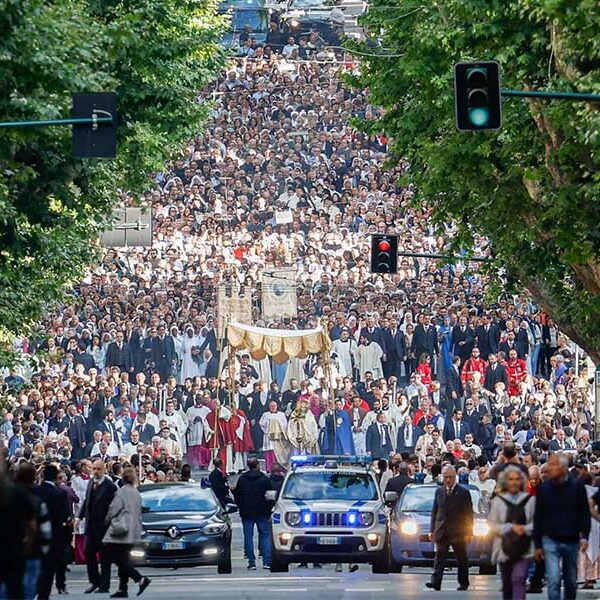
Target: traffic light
{"x": 97, "y": 140}
{"x": 384, "y": 253}
{"x": 477, "y": 96}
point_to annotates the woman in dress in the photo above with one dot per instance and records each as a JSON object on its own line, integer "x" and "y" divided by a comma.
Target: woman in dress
{"x": 190, "y": 349}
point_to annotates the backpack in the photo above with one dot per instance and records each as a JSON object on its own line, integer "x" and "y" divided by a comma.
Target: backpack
{"x": 513, "y": 545}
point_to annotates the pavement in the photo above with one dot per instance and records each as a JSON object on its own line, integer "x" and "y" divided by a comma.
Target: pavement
{"x": 298, "y": 584}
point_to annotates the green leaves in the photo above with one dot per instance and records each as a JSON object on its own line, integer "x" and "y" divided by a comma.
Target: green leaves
{"x": 531, "y": 188}
{"x": 157, "y": 55}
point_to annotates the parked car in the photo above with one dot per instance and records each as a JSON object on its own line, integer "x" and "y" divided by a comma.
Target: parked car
{"x": 410, "y": 544}
{"x": 184, "y": 525}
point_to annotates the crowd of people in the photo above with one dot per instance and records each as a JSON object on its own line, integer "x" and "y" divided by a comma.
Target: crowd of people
{"x": 426, "y": 370}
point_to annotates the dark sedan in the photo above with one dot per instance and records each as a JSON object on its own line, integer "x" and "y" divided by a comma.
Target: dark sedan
{"x": 184, "y": 526}
{"x": 410, "y": 544}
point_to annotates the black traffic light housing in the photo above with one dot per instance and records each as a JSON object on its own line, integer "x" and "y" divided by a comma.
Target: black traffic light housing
{"x": 95, "y": 140}
{"x": 477, "y": 96}
{"x": 384, "y": 253}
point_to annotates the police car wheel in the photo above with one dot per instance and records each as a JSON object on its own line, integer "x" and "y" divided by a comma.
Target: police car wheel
{"x": 395, "y": 566}
{"x": 277, "y": 564}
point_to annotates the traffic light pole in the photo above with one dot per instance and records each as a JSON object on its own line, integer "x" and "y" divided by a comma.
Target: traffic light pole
{"x": 444, "y": 256}
{"x": 575, "y": 96}
{"x": 86, "y": 121}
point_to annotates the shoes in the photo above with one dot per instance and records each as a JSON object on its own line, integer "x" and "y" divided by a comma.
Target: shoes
{"x": 353, "y": 568}
{"x": 430, "y": 585}
{"x": 534, "y": 590}
{"x": 267, "y": 567}
{"x": 91, "y": 589}
{"x": 62, "y": 590}
{"x": 303, "y": 566}
{"x": 144, "y": 583}
{"x": 251, "y": 567}
{"x": 338, "y": 568}
{"x": 119, "y": 594}
{"x": 462, "y": 588}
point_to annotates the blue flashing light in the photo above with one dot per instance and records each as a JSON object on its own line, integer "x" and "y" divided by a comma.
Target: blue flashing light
{"x": 321, "y": 459}
{"x": 306, "y": 518}
{"x": 299, "y": 458}
{"x": 352, "y": 517}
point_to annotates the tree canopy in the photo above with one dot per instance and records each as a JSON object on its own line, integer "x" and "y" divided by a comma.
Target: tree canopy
{"x": 531, "y": 188}
{"x": 156, "y": 55}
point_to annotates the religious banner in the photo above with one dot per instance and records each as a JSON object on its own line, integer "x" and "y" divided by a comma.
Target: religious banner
{"x": 279, "y": 293}
{"x": 233, "y": 304}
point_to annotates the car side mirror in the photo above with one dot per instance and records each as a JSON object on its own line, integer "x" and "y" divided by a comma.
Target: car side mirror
{"x": 390, "y": 497}
{"x": 271, "y": 496}
{"x": 230, "y": 509}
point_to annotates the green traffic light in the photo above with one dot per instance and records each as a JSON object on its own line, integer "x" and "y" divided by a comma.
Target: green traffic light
{"x": 479, "y": 116}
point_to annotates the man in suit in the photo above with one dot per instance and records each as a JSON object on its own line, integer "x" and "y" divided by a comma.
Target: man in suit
{"x": 117, "y": 353}
{"x": 462, "y": 340}
{"x": 393, "y": 339}
{"x": 59, "y": 422}
{"x": 60, "y": 514}
{"x": 400, "y": 480}
{"x": 163, "y": 354}
{"x": 487, "y": 337}
{"x": 146, "y": 431}
{"x": 108, "y": 425}
{"x": 425, "y": 338}
{"x": 212, "y": 364}
{"x": 451, "y": 525}
{"x": 373, "y": 333}
{"x": 407, "y": 437}
{"x": 454, "y": 385}
{"x": 379, "y": 442}
{"x": 560, "y": 442}
{"x": 254, "y": 409}
{"x": 455, "y": 428}
{"x": 76, "y": 432}
{"x": 507, "y": 345}
{"x": 99, "y": 494}
{"x": 494, "y": 373}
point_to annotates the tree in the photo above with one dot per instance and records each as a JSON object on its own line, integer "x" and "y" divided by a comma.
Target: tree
{"x": 532, "y": 188}
{"x": 157, "y": 55}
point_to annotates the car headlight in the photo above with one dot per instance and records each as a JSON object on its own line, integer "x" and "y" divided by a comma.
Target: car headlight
{"x": 293, "y": 518}
{"x": 214, "y": 529}
{"x": 409, "y": 527}
{"x": 365, "y": 519}
{"x": 481, "y": 529}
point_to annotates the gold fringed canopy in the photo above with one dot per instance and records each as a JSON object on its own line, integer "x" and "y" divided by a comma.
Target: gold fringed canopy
{"x": 281, "y": 344}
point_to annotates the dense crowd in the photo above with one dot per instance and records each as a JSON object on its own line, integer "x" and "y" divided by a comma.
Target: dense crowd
{"x": 426, "y": 370}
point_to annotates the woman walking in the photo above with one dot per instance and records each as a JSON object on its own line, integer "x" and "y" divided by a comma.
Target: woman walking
{"x": 124, "y": 518}
{"x": 511, "y": 517}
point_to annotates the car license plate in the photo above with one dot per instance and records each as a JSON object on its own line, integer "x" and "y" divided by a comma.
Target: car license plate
{"x": 173, "y": 546}
{"x": 328, "y": 540}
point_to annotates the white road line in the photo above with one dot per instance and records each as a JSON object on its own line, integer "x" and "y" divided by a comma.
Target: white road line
{"x": 364, "y": 589}
{"x": 277, "y": 589}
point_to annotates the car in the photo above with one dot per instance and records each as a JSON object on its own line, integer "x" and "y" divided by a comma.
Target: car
{"x": 410, "y": 544}
{"x": 300, "y": 17}
{"x": 184, "y": 525}
{"x": 330, "y": 509}
{"x": 251, "y": 13}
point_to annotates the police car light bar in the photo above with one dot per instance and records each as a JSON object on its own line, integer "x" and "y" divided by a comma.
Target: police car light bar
{"x": 320, "y": 459}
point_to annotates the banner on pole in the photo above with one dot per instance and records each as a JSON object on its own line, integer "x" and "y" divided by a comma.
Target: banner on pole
{"x": 279, "y": 293}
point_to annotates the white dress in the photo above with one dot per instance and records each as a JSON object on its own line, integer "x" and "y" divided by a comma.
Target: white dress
{"x": 189, "y": 367}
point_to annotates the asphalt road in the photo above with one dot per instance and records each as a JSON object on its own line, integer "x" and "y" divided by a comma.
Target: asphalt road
{"x": 313, "y": 584}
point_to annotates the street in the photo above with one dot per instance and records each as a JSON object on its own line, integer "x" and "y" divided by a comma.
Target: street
{"x": 323, "y": 583}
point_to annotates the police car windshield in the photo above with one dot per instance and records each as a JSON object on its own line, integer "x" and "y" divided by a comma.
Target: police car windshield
{"x": 319, "y": 485}
{"x": 420, "y": 499}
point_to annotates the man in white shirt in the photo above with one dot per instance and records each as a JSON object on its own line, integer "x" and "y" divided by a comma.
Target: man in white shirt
{"x": 131, "y": 447}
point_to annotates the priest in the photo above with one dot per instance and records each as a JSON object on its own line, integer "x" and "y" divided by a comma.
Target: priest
{"x": 302, "y": 430}
{"x": 337, "y": 430}
{"x": 275, "y": 444}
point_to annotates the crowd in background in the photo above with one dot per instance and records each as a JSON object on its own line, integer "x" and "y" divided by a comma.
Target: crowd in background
{"x": 427, "y": 370}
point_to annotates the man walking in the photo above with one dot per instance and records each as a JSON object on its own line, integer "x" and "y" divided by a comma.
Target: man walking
{"x": 561, "y": 525}
{"x": 249, "y": 495}
{"x": 451, "y": 525}
{"x": 99, "y": 495}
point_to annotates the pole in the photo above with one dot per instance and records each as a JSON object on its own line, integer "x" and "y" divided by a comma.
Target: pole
{"x": 575, "y": 96}
{"x": 83, "y": 121}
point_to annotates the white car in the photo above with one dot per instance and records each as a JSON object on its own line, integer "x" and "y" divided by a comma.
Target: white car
{"x": 330, "y": 510}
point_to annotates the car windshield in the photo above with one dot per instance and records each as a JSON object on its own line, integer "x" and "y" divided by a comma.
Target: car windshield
{"x": 177, "y": 499}
{"x": 247, "y": 12}
{"x": 309, "y": 4}
{"x": 330, "y": 486}
{"x": 420, "y": 499}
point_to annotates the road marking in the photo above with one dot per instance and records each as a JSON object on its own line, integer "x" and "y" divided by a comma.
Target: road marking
{"x": 364, "y": 589}
{"x": 278, "y": 589}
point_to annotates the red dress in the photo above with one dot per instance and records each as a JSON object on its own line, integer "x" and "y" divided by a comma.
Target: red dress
{"x": 424, "y": 370}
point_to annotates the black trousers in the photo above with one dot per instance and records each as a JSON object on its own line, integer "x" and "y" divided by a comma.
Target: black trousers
{"x": 93, "y": 546}
{"x": 119, "y": 554}
{"x": 441, "y": 557}
{"x": 51, "y": 565}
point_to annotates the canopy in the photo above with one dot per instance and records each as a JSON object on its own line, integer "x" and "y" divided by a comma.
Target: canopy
{"x": 281, "y": 344}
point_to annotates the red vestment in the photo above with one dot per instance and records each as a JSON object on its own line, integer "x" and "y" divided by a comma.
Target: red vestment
{"x": 516, "y": 370}
{"x": 473, "y": 365}
{"x": 245, "y": 444}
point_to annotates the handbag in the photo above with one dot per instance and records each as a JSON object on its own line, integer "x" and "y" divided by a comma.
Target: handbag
{"x": 119, "y": 524}
{"x": 513, "y": 545}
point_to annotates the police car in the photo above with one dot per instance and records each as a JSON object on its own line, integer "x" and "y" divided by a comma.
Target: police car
{"x": 330, "y": 510}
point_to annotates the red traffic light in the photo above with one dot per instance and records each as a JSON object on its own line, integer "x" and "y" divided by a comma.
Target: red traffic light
{"x": 383, "y": 246}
